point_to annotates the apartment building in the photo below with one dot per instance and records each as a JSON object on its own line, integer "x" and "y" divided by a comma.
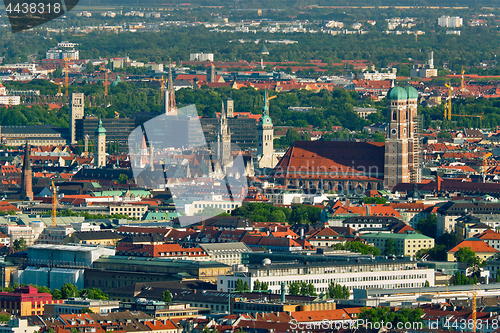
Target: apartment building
{"x": 362, "y": 274}
{"x": 407, "y": 244}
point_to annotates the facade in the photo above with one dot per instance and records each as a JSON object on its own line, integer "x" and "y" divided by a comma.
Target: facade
{"x": 117, "y": 129}
{"x": 426, "y": 70}
{"x": 54, "y": 235}
{"x": 65, "y": 255}
{"x": 100, "y": 146}
{"x": 6, "y": 99}
{"x": 25, "y": 301}
{"x": 201, "y": 56}
{"x": 265, "y": 138}
{"x": 401, "y": 163}
{"x": 361, "y": 274}
{"x": 136, "y": 211}
{"x": 20, "y": 231}
{"x": 342, "y": 166}
{"x": 161, "y": 310}
{"x": 405, "y": 244}
{"x": 450, "y": 22}
{"x": 76, "y": 111}
{"x": 242, "y": 126}
{"x": 76, "y": 305}
{"x": 56, "y": 53}
{"x": 226, "y": 253}
{"x": 118, "y": 271}
{"x": 212, "y": 200}
{"x": 39, "y": 135}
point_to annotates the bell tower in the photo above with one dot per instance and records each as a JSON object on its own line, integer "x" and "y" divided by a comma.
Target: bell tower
{"x": 396, "y": 169}
{"x": 265, "y": 138}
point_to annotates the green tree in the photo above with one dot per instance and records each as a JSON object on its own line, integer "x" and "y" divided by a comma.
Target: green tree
{"x": 19, "y": 244}
{"x": 428, "y": 226}
{"x": 256, "y": 285}
{"x": 498, "y": 275}
{"x": 427, "y": 284}
{"x": 240, "y": 286}
{"x": 375, "y": 200}
{"x": 338, "y": 291}
{"x": 69, "y": 290}
{"x": 4, "y": 318}
{"x": 264, "y": 286}
{"x": 378, "y": 137}
{"x": 246, "y": 286}
{"x": 466, "y": 255}
{"x": 294, "y": 288}
{"x": 86, "y": 310}
{"x": 56, "y": 294}
{"x": 122, "y": 179}
{"x": 74, "y": 330}
{"x": 444, "y": 135}
{"x": 390, "y": 247}
{"x": 166, "y": 296}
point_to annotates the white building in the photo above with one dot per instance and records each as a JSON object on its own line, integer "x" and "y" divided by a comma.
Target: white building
{"x": 8, "y": 99}
{"x": 377, "y": 76}
{"x": 226, "y": 253}
{"x": 210, "y": 200}
{"x": 67, "y": 44}
{"x": 201, "y": 57}
{"x": 450, "y": 22}
{"x": 364, "y": 274}
{"x": 61, "y": 54}
{"x": 17, "y": 325}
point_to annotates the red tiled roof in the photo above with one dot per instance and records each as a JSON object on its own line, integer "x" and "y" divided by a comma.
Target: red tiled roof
{"x": 477, "y": 246}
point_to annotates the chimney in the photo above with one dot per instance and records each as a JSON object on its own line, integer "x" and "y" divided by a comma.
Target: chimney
{"x": 431, "y": 59}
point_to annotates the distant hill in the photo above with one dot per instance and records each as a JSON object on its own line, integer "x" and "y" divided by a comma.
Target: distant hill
{"x": 282, "y": 4}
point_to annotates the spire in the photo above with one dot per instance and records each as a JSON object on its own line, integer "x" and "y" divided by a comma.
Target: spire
{"x": 170, "y": 93}
{"x": 265, "y": 109}
{"x": 27, "y": 163}
{"x": 223, "y": 112}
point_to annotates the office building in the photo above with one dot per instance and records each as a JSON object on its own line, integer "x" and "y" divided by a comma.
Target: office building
{"x": 450, "y": 22}
{"x": 361, "y": 274}
{"x": 76, "y": 111}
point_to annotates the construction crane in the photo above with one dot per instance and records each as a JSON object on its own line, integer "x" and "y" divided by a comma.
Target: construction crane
{"x": 485, "y": 165}
{"x": 462, "y": 85}
{"x": 66, "y": 75}
{"x": 447, "y": 107}
{"x": 105, "y": 70}
{"x": 474, "y": 307}
{"x": 54, "y": 204}
{"x": 162, "y": 83}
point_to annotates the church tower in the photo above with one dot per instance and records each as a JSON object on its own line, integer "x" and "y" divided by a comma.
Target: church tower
{"x": 27, "y": 176}
{"x": 76, "y": 111}
{"x": 223, "y": 140}
{"x": 100, "y": 146}
{"x": 413, "y": 136}
{"x": 396, "y": 144}
{"x": 265, "y": 138}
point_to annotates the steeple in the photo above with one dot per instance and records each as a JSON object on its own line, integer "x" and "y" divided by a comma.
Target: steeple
{"x": 170, "y": 108}
{"x": 27, "y": 176}
{"x": 100, "y": 145}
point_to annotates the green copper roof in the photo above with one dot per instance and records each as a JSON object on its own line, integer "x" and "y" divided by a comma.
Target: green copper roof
{"x": 100, "y": 130}
{"x": 411, "y": 92}
{"x": 397, "y": 93}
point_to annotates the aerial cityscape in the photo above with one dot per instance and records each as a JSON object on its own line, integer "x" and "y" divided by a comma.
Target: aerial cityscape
{"x": 248, "y": 166}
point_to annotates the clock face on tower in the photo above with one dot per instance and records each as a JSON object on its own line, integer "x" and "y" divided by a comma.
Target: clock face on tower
{"x": 394, "y": 131}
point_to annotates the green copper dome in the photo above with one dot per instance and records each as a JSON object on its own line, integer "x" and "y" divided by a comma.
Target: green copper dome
{"x": 397, "y": 93}
{"x": 100, "y": 130}
{"x": 412, "y": 92}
